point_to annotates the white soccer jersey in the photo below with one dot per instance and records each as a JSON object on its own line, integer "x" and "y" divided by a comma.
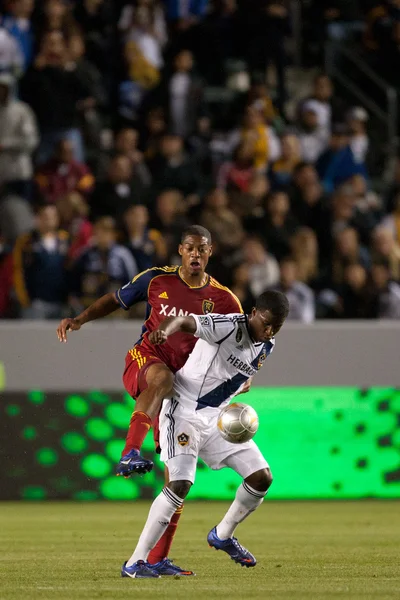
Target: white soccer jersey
{"x": 221, "y": 362}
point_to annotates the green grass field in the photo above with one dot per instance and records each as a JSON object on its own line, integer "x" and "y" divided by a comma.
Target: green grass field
{"x": 304, "y": 550}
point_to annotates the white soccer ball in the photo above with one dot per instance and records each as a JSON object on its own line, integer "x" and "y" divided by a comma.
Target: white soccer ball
{"x": 237, "y": 423}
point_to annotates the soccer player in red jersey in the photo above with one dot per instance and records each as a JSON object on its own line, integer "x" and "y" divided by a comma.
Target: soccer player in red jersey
{"x": 149, "y": 369}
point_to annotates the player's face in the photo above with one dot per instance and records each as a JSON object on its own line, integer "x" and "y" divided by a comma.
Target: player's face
{"x": 263, "y": 325}
{"x": 195, "y": 252}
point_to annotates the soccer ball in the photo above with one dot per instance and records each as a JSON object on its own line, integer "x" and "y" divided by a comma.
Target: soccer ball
{"x": 237, "y": 423}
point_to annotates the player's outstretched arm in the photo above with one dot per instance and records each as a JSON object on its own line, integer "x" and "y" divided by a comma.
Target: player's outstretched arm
{"x": 101, "y": 308}
{"x": 172, "y": 325}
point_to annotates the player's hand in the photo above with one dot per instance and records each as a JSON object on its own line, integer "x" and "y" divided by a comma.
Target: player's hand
{"x": 67, "y": 325}
{"x": 246, "y": 387}
{"x": 158, "y": 337}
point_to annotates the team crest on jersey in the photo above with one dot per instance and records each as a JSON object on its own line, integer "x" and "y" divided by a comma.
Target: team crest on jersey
{"x": 261, "y": 360}
{"x": 183, "y": 439}
{"x": 208, "y": 306}
{"x": 205, "y": 321}
{"x": 239, "y": 335}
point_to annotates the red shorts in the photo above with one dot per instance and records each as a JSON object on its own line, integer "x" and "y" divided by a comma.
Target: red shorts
{"x": 137, "y": 361}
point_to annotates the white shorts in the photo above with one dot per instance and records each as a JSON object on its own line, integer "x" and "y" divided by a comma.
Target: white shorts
{"x": 186, "y": 436}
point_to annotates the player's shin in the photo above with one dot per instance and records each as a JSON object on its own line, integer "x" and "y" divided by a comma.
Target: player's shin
{"x": 139, "y": 426}
{"x": 163, "y": 546}
{"x": 160, "y": 514}
{"x": 246, "y": 501}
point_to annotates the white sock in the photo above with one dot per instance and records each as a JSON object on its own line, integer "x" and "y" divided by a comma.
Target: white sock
{"x": 160, "y": 514}
{"x": 246, "y": 501}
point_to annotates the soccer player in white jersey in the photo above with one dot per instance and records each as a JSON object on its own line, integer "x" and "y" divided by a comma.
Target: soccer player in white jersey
{"x": 230, "y": 350}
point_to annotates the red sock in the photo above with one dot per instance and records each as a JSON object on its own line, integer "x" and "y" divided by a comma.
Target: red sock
{"x": 162, "y": 548}
{"x": 138, "y": 428}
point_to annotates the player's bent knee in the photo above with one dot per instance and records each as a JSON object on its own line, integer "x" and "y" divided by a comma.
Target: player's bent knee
{"x": 260, "y": 480}
{"x": 180, "y": 488}
{"x": 160, "y": 378}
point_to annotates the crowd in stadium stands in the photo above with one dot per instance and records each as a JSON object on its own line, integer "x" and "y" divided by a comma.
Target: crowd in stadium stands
{"x": 111, "y": 143}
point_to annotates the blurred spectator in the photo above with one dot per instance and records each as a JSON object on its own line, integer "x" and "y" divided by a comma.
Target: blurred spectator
{"x": 250, "y": 205}
{"x": 347, "y": 250}
{"x": 387, "y": 291}
{"x": 56, "y": 15}
{"x": 102, "y": 267}
{"x": 16, "y": 217}
{"x": 384, "y": 246}
{"x": 147, "y": 13}
{"x": 199, "y": 144}
{"x": 342, "y": 18}
{"x": 183, "y": 19}
{"x": 144, "y": 35}
{"x": 74, "y": 210}
{"x": 282, "y": 169}
{"x": 153, "y": 133}
{"x": 18, "y": 140}
{"x": 353, "y": 297}
{"x": 221, "y": 221}
{"x": 379, "y": 26}
{"x": 11, "y": 57}
{"x": 241, "y": 287}
{"x": 304, "y": 250}
{"x": 173, "y": 169}
{"x": 185, "y": 14}
{"x": 300, "y": 296}
{"x": 6, "y": 278}
{"x": 183, "y": 96}
{"x": 146, "y": 244}
{"x": 259, "y": 98}
{"x": 359, "y": 141}
{"x": 221, "y": 33}
{"x": 337, "y": 164}
{"x": 306, "y": 195}
{"x": 392, "y": 220}
{"x": 126, "y": 142}
{"x": 312, "y": 138}
{"x": 350, "y": 300}
{"x": 40, "y": 273}
{"x": 97, "y": 20}
{"x": 168, "y": 218}
{"x": 17, "y": 22}
{"x": 320, "y": 101}
{"x": 263, "y": 267}
{"x": 117, "y": 193}
{"x": 263, "y": 141}
{"x": 63, "y": 174}
{"x": 237, "y": 174}
{"x": 277, "y": 226}
{"x": 269, "y": 24}
{"x": 55, "y": 93}
{"x": 92, "y": 81}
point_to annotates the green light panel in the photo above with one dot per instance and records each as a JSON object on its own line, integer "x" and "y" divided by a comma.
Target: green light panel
{"x": 320, "y": 443}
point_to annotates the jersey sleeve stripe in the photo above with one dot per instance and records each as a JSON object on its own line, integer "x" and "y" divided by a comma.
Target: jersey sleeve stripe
{"x": 121, "y": 302}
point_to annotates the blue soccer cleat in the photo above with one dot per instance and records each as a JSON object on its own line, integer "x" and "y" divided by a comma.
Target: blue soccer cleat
{"x": 166, "y": 567}
{"x": 133, "y": 463}
{"x": 139, "y": 570}
{"x": 232, "y": 547}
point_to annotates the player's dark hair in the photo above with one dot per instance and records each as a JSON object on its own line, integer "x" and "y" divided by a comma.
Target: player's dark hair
{"x": 196, "y": 230}
{"x": 276, "y": 302}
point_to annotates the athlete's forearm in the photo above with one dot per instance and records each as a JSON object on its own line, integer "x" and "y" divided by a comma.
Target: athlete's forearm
{"x": 172, "y": 325}
{"x": 101, "y": 308}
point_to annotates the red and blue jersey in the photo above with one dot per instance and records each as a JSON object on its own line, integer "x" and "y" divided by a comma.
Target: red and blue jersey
{"x": 168, "y": 295}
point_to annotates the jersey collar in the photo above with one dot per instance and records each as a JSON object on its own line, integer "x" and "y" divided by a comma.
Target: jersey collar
{"x": 193, "y": 287}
